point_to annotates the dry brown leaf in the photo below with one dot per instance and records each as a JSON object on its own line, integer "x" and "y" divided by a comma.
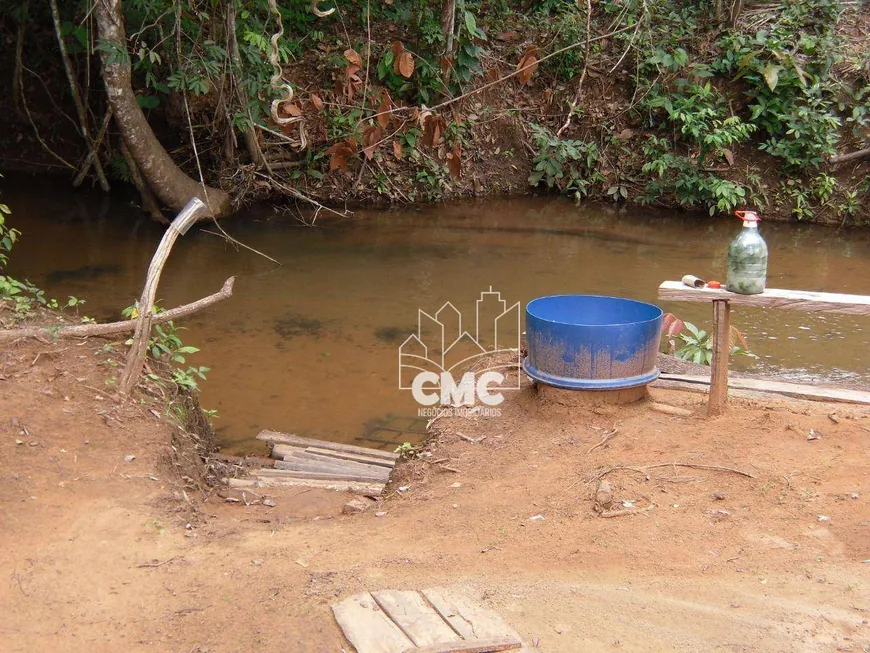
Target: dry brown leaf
{"x": 729, "y": 157}
{"x": 528, "y": 64}
{"x": 317, "y": 101}
{"x": 338, "y": 162}
{"x": 492, "y": 75}
{"x": 398, "y": 152}
{"x": 384, "y": 109}
{"x": 403, "y": 61}
{"x": 406, "y": 65}
{"x": 446, "y": 65}
{"x": 454, "y": 162}
{"x": 293, "y": 110}
{"x": 432, "y": 128}
{"x": 353, "y": 57}
{"x": 371, "y": 139}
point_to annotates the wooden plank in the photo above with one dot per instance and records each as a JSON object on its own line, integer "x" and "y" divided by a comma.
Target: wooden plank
{"x": 800, "y": 300}
{"x": 325, "y": 476}
{"x": 367, "y": 628}
{"x": 796, "y": 390}
{"x": 346, "y": 464}
{"x": 721, "y": 352}
{"x": 472, "y": 646}
{"x": 415, "y": 617}
{"x": 297, "y": 441}
{"x": 301, "y": 465}
{"x": 366, "y": 489}
{"x": 467, "y": 618}
{"x": 369, "y": 460}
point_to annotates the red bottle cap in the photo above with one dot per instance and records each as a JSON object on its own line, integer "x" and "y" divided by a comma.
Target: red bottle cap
{"x": 747, "y": 216}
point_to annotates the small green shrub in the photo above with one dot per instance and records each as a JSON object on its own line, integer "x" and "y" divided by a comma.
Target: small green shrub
{"x": 571, "y": 166}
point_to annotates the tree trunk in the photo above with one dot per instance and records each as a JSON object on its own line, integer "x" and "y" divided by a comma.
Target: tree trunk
{"x": 169, "y": 183}
{"x": 448, "y": 29}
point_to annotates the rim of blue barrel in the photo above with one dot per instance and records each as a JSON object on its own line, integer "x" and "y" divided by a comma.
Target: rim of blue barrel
{"x": 530, "y": 305}
{"x": 590, "y": 384}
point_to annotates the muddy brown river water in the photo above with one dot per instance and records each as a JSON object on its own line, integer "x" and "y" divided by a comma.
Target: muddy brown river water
{"x": 311, "y": 346}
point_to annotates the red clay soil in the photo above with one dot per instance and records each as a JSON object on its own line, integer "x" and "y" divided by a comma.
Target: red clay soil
{"x": 101, "y": 554}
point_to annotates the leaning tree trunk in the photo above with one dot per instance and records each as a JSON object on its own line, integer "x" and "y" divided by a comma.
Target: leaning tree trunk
{"x": 169, "y": 183}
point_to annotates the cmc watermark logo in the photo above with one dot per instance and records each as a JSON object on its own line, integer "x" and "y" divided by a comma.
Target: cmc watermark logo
{"x": 446, "y": 346}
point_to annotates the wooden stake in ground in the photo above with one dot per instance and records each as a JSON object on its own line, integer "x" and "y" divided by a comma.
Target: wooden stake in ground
{"x": 136, "y": 356}
{"x": 721, "y": 352}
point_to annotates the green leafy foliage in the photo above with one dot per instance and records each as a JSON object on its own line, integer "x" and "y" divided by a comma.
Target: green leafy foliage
{"x": 165, "y": 345}
{"x": 786, "y": 72}
{"x": 571, "y": 166}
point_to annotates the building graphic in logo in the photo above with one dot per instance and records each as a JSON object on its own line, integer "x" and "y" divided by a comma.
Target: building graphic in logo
{"x": 444, "y": 348}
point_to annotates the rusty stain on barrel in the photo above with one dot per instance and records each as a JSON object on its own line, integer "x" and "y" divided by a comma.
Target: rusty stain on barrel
{"x": 590, "y": 342}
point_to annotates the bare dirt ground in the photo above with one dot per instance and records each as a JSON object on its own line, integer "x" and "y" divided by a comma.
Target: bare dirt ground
{"x": 102, "y": 554}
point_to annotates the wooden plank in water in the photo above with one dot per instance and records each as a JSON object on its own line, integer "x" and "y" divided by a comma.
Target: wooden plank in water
{"x": 467, "y": 618}
{"x": 796, "y": 390}
{"x": 800, "y": 300}
{"x": 367, "y": 628}
{"x": 368, "y": 460}
{"x": 415, "y": 617}
{"x": 297, "y": 441}
{"x": 472, "y": 646}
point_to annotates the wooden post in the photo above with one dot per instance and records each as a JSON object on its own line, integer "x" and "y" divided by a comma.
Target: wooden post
{"x": 721, "y": 353}
{"x": 136, "y": 356}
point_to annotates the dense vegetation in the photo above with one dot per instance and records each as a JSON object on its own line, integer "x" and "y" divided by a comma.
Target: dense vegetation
{"x": 664, "y": 102}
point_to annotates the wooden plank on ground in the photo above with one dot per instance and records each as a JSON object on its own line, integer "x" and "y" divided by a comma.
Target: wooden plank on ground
{"x": 467, "y": 618}
{"x": 796, "y": 390}
{"x": 345, "y": 464}
{"x": 415, "y": 617}
{"x": 800, "y": 300}
{"x": 472, "y": 646}
{"x": 302, "y": 454}
{"x": 324, "y": 476}
{"x": 366, "y": 489}
{"x": 297, "y": 441}
{"x": 367, "y": 628}
{"x": 301, "y": 465}
{"x": 368, "y": 460}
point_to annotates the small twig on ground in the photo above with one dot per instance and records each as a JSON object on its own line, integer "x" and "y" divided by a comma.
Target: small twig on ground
{"x": 159, "y": 564}
{"x": 644, "y": 469}
{"x": 18, "y": 579}
{"x": 472, "y": 440}
{"x": 732, "y": 559}
{"x": 449, "y": 469}
{"x": 607, "y": 437}
{"x": 627, "y": 511}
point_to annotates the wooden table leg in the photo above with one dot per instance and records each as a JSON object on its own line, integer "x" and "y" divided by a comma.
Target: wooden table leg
{"x": 721, "y": 352}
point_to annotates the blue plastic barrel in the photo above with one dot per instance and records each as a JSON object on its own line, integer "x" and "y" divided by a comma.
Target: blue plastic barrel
{"x": 586, "y": 342}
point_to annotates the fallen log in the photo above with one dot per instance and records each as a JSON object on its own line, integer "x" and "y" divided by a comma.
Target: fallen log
{"x": 851, "y": 156}
{"x": 110, "y": 328}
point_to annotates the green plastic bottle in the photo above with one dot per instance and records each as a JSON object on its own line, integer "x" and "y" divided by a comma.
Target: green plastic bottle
{"x": 747, "y": 258}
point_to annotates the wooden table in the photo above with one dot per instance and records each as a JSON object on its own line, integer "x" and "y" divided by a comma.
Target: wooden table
{"x": 799, "y": 300}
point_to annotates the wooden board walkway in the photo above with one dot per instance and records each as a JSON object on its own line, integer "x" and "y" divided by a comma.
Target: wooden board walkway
{"x": 317, "y": 463}
{"x": 433, "y": 620}
{"x": 799, "y": 300}
{"x": 787, "y": 389}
